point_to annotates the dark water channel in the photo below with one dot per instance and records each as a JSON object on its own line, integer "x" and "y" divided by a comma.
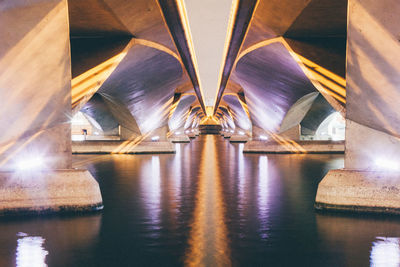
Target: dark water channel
{"x": 207, "y": 205}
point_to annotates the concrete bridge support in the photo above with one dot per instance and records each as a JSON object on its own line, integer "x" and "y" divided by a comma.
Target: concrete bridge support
{"x": 36, "y": 172}
{"x": 370, "y": 180}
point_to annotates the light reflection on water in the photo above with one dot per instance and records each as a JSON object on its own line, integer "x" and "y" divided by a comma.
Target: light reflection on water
{"x": 151, "y": 193}
{"x": 263, "y": 194}
{"x": 242, "y": 178}
{"x": 208, "y": 241}
{"x": 385, "y": 252}
{"x": 209, "y": 204}
{"x": 30, "y": 251}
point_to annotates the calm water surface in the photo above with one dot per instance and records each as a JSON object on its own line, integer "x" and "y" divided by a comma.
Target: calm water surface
{"x": 207, "y": 205}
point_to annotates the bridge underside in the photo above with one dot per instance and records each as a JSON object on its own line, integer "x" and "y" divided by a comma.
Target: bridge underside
{"x": 124, "y": 75}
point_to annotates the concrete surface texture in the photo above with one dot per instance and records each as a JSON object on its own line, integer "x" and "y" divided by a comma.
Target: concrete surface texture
{"x": 294, "y": 147}
{"x": 36, "y": 81}
{"x": 360, "y": 191}
{"x": 130, "y": 67}
{"x": 370, "y": 179}
{"x": 285, "y": 56}
{"x": 125, "y": 147}
{"x": 48, "y": 191}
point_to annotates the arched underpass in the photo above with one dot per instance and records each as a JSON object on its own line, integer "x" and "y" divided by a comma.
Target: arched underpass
{"x": 199, "y": 133}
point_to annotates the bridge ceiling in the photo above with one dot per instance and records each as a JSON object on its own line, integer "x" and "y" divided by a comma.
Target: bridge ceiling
{"x": 297, "y": 19}
{"x": 273, "y": 76}
{"x": 318, "y": 112}
{"x": 273, "y": 82}
{"x": 298, "y": 111}
{"x": 178, "y": 118}
{"x": 145, "y": 82}
{"x": 227, "y": 116}
{"x": 87, "y": 53}
{"x": 99, "y": 18}
{"x": 193, "y": 116}
{"x": 240, "y": 116}
{"x": 128, "y": 44}
{"x": 97, "y": 109}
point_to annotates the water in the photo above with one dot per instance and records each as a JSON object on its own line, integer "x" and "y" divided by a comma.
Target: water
{"x": 207, "y": 205}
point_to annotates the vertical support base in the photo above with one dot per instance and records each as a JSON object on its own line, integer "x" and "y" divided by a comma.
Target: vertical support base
{"x": 48, "y": 191}
{"x": 359, "y": 191}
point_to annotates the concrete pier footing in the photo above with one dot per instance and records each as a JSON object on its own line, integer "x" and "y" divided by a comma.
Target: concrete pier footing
{"x": 107, "y": 147}
{"x": 359, "y": 191}
{"x": 237, "y": 138}
{"x": 315, "y": 147}
{"x": 50, "y": 191}
{"x": 180, "y": 139}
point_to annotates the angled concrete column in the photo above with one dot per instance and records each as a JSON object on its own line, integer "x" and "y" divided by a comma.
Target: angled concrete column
{"x": 36, "y": 172}
{"x": 370, "y": 180}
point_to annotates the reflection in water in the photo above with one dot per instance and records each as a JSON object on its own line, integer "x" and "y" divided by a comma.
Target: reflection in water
{"x": 177, "y": 174}
{"x": 30, "y": 251}
{"x": 241, "y": 182}
{"x": 385, "y": 252}
{"x": 208, "y": 242}
{"x": 263, "y": 187}
{"x": 151, "y": 190}
{"x": 208, "y": 205}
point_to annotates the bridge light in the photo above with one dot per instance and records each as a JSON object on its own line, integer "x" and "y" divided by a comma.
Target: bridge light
{"x": 263, "y": 137}
{"x": 155, "y": 138}
{"x": 241, "y": 133}
{"x": 390, "y": 165}
{"x": 30, "y": 163}
{"x": 177, "y": 133}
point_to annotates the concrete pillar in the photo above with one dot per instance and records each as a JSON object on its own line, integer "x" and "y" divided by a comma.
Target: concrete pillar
{"x": 293, "y": 133}
{"x": 370, "y": 180}
{"x": 35, "y": 86}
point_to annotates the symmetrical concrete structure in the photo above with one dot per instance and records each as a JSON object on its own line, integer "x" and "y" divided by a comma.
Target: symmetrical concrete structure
{"x": 129, "y": 70}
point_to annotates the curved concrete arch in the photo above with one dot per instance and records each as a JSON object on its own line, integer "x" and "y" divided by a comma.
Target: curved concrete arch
{"x": 239, "y": 115}
{"x": 144, "y": 22}
{"x": 97, "y": 109}
{"x": 159, "y": 47}
{"x": 88, "y": 82}
{"x": 112, "y": 115}
{"x": 192, "y": 116}
{"x": 273, "y": 82}
{"x": 318, "y": 48}
{"x": 145, "y": 82}
{"x": 330, "y": 85}
{"x": 178, "y": 118}
{"x": 228, "y": 117}
{"x": 298, "y": 111}
{"x": 318, "y": 112}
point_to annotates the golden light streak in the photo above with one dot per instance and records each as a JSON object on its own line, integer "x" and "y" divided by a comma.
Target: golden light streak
{"x": 208, "y": 240}
{"x": 229, "y": 33}
{"x": 327, "y": 83}
{"x": 188, "y": 34}
{"x": 173, "y": 108}
{"x": 231, "y": 23}
{"x": 84, "y": 86}
{"x": 210, "y": 121}
{"x": 128, "y": 145}
{"x": 289, "y": 144}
